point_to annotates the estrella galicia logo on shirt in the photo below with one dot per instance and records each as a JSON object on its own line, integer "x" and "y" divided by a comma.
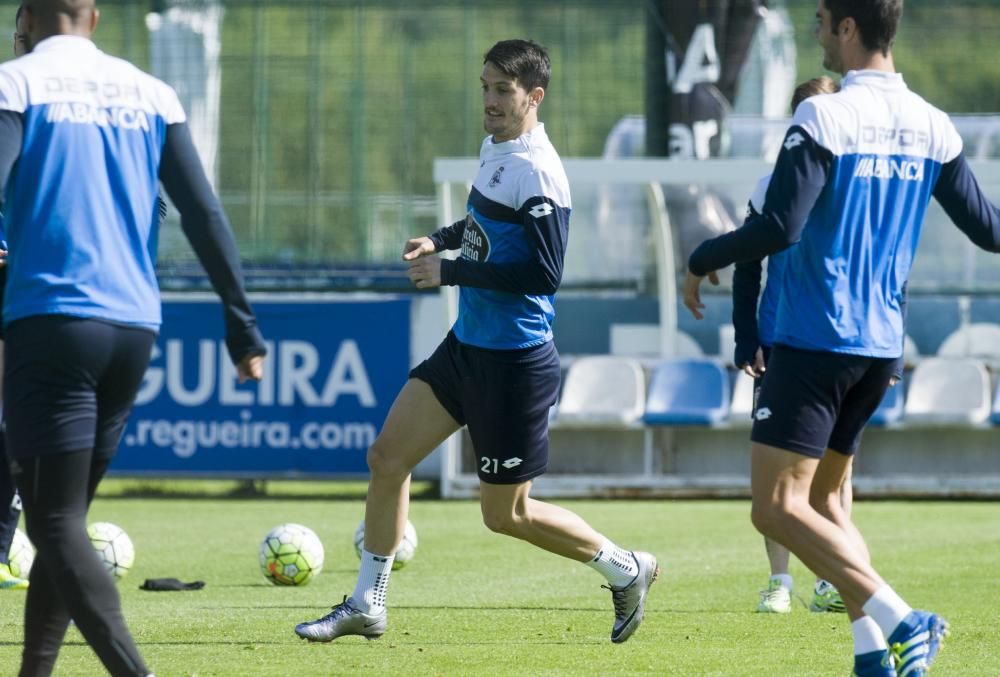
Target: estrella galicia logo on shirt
{"x": 475, "y": 241}
{"x": 495, "y": 181}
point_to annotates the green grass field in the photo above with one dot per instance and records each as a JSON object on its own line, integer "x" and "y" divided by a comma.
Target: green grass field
{"x": 474, "y": 603}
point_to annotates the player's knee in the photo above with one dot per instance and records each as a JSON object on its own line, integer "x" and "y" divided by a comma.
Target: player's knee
{"x": 825, "y": 502}
{"x": 770, "y": 517}
{"x": 501, "y": 521}
{"x": 382, "y": 462}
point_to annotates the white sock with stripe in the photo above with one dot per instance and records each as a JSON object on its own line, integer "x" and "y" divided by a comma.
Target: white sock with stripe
{"x": 618, "y": 566}
{"x": 373, "y": 582}
{"x": 867, "y": 636}
{"x": 887, "y": 609}
{"x": 784, "y": 580}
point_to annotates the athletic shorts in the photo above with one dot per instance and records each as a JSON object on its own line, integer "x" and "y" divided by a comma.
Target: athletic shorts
{"x": 504, "y": 397}
{"x": 70, "y": 383}
{"x": 812, "y": 401}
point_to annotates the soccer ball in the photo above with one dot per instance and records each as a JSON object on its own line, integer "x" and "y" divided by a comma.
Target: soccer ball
{"x": 291, "y": 554}
{"x": 21, "y": 555}
{"x": 404, "y": 553}
{"x": 113, "y": 546}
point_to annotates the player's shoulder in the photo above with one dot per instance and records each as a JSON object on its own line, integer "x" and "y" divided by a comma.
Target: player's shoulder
{"x": 14, "y": 78}
{"x": 759, "y": 193}
{"x": 824, "y": 118}
{"x": 157, "y": 93}
{"x": 944, "y": 141}
{"x": 542, "y": 173}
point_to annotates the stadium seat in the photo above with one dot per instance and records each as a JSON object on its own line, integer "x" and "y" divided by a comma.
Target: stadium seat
{"x": 980, "y": 340}
{"x": 911, "y": 355}
{"x": 890, "y": 411}
{"x": 602, "y": 391}
{"x": 742, "y": 402}
{"x": 949, "y": 391}
{"x": 996, "y": 407}
{"x": 643, "y": 340}
{"x": 727, "y": 344}
{"x": 688, "y": 392}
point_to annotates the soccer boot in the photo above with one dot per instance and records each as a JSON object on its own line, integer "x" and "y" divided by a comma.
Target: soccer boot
{"x": 916, "y": 641}
{"x": 345, "y": 619}
{"x": 9, "y": 581}
{"x": 874, "y": 664}
{"x": 630, "y": 600}
{"x": 826, "y": 598}
{"x": 777, "y": 599}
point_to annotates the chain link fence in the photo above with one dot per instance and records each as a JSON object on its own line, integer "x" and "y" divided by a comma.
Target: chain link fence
{"x": 319, "y": 120}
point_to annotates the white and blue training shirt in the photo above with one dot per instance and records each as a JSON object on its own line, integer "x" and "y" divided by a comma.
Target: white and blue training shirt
{"x": 513, "y": 242}
{"x": 851, "y": 187}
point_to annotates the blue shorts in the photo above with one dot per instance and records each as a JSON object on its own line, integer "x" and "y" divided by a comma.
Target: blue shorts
{"x": 504, "y": 397}
{"x": 70, "y": 383}
{"x": 811, "y": 401}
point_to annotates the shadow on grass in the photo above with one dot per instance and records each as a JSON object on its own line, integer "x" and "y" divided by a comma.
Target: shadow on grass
{"x": 446, "y": 607}
{"x": 266, "y": 490}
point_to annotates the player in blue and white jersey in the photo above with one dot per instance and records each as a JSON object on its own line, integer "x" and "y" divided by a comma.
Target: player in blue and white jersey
{"x": 84, "y": 140}
{"x": 753, "y": 323}
{"x": 497, "y": 370}
{"x": 850, "y": 187}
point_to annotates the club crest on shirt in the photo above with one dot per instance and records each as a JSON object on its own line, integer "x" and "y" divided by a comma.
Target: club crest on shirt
{"x": 495, "y": 181}
{"x": 475, "y": 242}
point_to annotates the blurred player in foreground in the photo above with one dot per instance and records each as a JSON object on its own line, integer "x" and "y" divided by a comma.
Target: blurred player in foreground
{"x": 497, "y": 371}
{"x": 850, "y": 186}
{"x": 84, "y": 137}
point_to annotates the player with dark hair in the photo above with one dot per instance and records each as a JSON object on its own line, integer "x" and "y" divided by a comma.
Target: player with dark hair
{"x": 851, "y": 186}
{"x": 754, "y": 329}
{"x": 84, "y": 139}
{"x": 497, "y": 370}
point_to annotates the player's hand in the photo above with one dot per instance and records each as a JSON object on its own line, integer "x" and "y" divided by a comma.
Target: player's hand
{"x": 3, "y": 258}
{"x": 425, "y": 272}
{"x": 250, "y": 367}
{"x": 418, "y": 247}
{"x": 755, "y": 369}
{"x": 692, "y": 292}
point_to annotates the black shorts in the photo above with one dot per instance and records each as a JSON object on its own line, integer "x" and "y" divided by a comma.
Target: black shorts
{"x": 70, "y": 383}
{"x": 812, "y": 401}
{"x": 504, "y": 397}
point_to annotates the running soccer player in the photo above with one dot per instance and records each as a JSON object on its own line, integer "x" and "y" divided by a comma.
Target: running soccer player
{"x": 754, "y": 328}
{"x": 10, "y": 502}
{"x": 84, "y": 137}
{"x": 497, "y": 370}
{"x": 851, "y": 186}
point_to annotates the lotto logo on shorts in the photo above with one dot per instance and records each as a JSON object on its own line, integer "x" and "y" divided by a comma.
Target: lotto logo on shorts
{"x": 763, "y": 414}
{"x": 511, "y": 463}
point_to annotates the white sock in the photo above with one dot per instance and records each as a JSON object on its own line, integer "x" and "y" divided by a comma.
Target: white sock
{"x": 373, "y": 582}
{"x": 618, "y": 566}
{"x": 867, "y": 636}
{"x": 785, "y": 580}
{"x": 887, "y": 609}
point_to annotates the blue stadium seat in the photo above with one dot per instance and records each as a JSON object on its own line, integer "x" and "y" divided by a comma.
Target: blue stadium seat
{"x": 890, "y": 411}
{"x": 688, "y": 392}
